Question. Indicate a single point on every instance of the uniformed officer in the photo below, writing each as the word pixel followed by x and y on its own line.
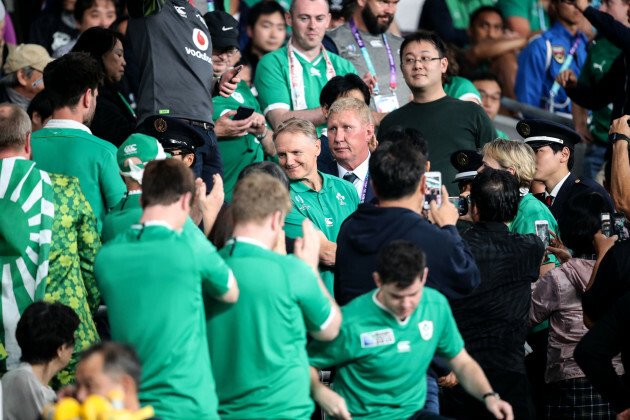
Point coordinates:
pixel 178 139
pixel 560 48
pixel 553 144
pixel 467 163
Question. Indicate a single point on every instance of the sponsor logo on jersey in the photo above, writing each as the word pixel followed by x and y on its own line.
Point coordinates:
pixel 329 221
pixel 132 148
pixel 378 338
pixel 300 201
pixel 198 54
pixel 404 347
pixel 200 39
pixel 181 10
pixel 341 199
pixel 559 53
pixel 238 97
pixel 376 43
pixel 226 29
pixel 315 72
pixel 426 330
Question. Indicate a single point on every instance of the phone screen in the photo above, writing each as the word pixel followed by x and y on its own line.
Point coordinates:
pixel 434 189
pixel 542 231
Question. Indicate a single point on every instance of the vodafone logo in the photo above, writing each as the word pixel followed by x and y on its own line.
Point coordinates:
pixel 200 40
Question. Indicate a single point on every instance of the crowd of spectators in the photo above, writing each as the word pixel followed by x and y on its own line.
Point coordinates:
pixel 249 209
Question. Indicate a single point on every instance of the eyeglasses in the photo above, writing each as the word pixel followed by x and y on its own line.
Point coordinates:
pixel 421 60
pixel 227 51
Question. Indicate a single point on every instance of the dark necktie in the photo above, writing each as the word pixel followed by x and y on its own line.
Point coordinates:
pixel 549 200
pixel 350 177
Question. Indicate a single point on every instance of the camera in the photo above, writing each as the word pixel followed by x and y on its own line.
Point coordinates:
pixel 461 203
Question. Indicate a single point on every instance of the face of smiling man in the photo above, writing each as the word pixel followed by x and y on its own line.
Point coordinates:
pixel 297 155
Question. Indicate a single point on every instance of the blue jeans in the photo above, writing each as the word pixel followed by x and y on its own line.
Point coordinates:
pixel 432 403
pixel 593 160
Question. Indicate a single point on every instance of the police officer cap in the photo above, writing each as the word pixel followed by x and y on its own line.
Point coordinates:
pixel 466 162
pixel 172 133
pixel 539 133
pixel 223 29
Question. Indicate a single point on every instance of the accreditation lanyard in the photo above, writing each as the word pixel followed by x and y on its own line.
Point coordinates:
pixel 567 63
pixel 296 76
pixel 365 184
pixel 368 60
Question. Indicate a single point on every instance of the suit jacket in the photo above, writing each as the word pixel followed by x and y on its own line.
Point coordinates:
pixel 329 166
pixel 571 187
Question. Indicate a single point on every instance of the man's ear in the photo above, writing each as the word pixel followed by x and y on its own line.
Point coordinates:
pixel 287 18
pixel 370 132
pixel 277 220
pixel 423 280
pixel 21 77
pixel 377 279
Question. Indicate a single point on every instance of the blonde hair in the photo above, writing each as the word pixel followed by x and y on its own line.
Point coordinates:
pixel 513 154
pixel 352 104
pixel 297 125
pixel 257 196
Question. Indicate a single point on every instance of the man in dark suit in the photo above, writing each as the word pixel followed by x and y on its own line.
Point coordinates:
pixel 553 144
pixel 350 129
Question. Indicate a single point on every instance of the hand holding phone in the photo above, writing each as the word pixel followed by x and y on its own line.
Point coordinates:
pixel 434 189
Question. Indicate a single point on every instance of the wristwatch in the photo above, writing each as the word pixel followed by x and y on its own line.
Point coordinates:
pixel 490 394
pixel 613 137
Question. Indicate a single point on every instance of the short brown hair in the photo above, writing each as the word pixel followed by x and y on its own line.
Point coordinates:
pixel 297 126
pixel 165 181
pixel 257 196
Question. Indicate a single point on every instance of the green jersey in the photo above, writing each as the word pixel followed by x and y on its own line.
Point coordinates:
pixel 532 10
pixel 26 220
pixel 460 11
pixel 237 152
pixel 382 361
pixel 273 79
pixel 262 371
pixel 531 209
pixel 462 88
pixel 164 275
pixel 326 208
pixel 598 61
pixel 124 214
pixel 75 152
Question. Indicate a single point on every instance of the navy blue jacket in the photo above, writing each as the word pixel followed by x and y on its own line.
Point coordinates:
pixel 452 268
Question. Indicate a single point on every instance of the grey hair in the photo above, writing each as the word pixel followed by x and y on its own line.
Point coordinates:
pixel 297 125
pixel 15 126
pixel 11 79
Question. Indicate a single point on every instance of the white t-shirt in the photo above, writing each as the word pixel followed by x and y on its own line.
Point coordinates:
pixel 24 396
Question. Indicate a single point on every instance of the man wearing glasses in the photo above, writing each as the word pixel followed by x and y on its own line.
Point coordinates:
pixel 447 123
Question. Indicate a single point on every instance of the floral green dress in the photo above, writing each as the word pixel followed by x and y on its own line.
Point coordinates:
pixel 75 242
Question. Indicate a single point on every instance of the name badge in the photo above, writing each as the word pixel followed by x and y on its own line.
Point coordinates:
pixel 386 103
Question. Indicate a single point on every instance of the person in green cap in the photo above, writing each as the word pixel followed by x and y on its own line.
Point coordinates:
pixel 26 206
pixel 324 199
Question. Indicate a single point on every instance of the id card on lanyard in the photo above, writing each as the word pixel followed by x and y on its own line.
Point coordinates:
pixel 383 102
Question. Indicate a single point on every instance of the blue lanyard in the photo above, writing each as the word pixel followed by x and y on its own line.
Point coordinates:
pixel 368 60
pixel 365 184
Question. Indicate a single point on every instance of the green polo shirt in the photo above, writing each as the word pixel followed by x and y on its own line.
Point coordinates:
pixel 262 370
pixel 237 152
pixel 462 88
pixel 74 152
pixel 528 9
pixel 164 319
pixel 381 361
pixel 326 208
pixel 273 81
pixel 531 209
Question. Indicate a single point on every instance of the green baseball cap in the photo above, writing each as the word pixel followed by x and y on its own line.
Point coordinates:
pixel 141 146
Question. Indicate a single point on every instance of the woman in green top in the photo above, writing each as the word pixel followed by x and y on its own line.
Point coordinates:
pixel 518 158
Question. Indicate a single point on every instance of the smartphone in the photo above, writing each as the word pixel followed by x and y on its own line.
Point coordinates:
pixel 619 226
pixel 606 226
pixel 243 113
pixel 542 231
pixel 238 70
pixel 461 203
pixel 434 189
